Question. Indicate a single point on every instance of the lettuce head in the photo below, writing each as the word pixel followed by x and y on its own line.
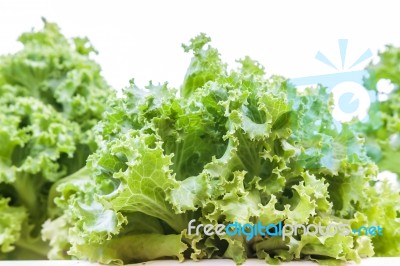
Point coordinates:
pixel 231 145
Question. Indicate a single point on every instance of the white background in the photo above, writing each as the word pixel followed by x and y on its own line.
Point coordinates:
pixel 142 39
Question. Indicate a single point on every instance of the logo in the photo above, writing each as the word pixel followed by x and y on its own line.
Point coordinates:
pixel 351 99
pixel 282 230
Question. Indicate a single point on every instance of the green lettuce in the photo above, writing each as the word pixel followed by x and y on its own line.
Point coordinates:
pixel 382 130
pixel 51 96
pixel 229 146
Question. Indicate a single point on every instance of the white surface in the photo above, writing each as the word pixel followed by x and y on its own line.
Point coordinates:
pixel 252 262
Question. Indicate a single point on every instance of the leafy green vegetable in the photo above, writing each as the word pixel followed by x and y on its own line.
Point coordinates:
pixel 51 96
pixel 231 146
pixel 12 221
pixel 383 128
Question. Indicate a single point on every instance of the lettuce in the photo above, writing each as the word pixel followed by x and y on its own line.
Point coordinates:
pixel 51 96
pixel 383 128
pixel 229 146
